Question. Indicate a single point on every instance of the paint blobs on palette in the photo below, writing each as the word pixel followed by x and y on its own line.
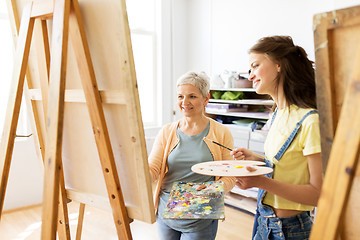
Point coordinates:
pixel 224 167
pixel 201 187
pixel 250 169
pixel 195 201
pixel 231 168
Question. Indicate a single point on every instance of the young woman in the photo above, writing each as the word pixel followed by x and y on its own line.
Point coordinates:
pixel 178 146
pixel 292 148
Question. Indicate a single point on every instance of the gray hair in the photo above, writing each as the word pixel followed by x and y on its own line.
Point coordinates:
pixel 199 80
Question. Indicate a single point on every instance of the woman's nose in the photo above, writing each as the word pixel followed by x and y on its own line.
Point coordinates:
pixel 251 76
pixel 185 100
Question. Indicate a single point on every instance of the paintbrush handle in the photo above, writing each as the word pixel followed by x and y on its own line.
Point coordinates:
pixel 218 144
pixel 222 145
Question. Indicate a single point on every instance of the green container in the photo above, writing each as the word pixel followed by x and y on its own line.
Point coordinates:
pixel 232 95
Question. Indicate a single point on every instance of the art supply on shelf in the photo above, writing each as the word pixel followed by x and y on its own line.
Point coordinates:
pixel 226 107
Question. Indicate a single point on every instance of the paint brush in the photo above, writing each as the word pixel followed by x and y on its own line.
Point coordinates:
pixel 217 143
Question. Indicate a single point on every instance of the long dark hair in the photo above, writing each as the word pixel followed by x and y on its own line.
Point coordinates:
pixel 296 70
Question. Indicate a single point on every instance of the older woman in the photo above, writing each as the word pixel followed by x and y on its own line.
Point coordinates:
pixel 178 146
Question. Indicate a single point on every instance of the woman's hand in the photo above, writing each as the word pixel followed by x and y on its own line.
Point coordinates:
pixel 242 154
pixel 249 182
pixel 245 154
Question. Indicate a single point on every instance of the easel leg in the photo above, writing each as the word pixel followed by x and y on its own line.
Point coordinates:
pixel 63 226
pixel 80 221
pixel 13 108
pixel 43 59
pixel 53 148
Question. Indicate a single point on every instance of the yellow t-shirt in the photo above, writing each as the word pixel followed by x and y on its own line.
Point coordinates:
pixel 293 166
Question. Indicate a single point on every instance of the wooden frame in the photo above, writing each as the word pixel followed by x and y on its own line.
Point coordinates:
pixel 337 53
pixel 78 111
pixel 336 37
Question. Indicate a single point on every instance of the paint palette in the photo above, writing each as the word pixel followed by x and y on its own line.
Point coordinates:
pixel 204 200
pixel 232 168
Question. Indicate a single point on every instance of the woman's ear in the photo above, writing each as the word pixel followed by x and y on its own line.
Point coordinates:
pixel 278 68
pixel 207 99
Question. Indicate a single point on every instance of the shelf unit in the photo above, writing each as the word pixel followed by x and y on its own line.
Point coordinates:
pixel 245 101
pixel 254 115
pixel 244 137
pixel 253 99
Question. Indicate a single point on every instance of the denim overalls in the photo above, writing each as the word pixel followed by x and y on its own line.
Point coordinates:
pixel 270 226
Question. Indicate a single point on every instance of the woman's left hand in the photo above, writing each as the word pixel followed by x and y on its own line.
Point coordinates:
pixel 249 182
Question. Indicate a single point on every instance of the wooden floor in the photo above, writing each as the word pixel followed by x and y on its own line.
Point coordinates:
pixel 98 224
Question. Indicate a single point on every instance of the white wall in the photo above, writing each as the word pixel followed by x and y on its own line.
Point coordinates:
pixel 25 182
pixel 6 59
pixel 219 33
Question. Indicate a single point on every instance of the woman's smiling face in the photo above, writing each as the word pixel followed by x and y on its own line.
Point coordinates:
pixel 263 73
pixel 190 100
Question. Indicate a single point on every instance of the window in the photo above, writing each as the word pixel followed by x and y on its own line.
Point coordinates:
pixel 142 21
pixel 5 61
pixel 7 51
pixel 6 66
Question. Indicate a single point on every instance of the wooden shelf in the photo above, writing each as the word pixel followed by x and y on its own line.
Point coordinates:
pixel 234 89
pixel 255 115
pixel 245 101
pixel 252 99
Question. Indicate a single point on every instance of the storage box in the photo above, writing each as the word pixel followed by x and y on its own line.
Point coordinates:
pixel 242 83
pixel 240 134
pixel 226 107
pixel 239 131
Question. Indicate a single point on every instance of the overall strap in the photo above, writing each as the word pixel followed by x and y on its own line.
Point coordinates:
pixel 292 136
pixel 273 117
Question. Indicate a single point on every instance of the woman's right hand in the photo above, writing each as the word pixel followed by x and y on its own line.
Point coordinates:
pixel 242 154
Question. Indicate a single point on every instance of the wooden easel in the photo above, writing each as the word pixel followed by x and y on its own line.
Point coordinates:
pixel 63 13
pixel 343 164
pixel 337 51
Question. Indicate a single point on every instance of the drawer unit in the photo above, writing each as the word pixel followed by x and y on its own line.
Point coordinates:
pixel 238 131
pixel 240 143
pixel 256 146
pixel 258 135
pixel 240 134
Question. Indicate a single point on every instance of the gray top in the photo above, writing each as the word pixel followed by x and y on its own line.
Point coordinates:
pixel 190 150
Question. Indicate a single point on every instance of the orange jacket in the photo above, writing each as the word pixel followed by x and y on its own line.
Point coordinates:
pixel 166 141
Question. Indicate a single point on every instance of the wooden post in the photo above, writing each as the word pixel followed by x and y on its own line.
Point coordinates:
pixel 80 221
pixel 53 144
